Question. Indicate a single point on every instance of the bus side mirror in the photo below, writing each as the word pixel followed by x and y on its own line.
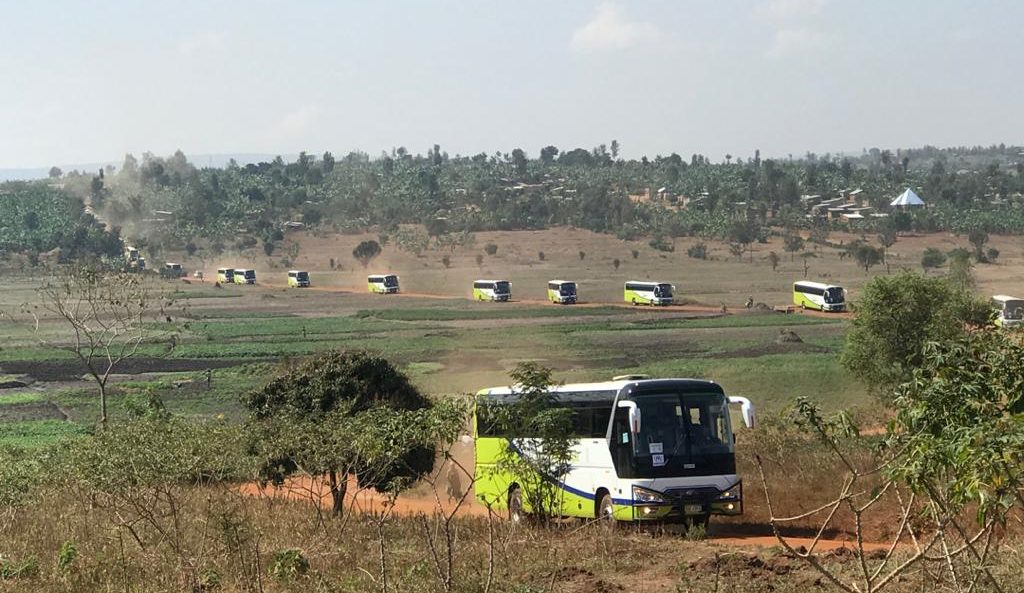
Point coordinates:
pixel 634 415
pixel 746 410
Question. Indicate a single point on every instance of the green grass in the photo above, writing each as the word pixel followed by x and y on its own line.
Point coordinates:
pixel 203 293
pixel 497 311
pixel 22 397
pixel 38 433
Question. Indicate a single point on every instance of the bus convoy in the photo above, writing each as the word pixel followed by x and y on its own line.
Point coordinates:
pixel 643 450
pixel 818 296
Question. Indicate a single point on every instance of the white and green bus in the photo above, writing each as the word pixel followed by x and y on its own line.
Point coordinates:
pixel 492 290
pixel 649 293
pixel 815 295
pixel 562 292
pixel 645 450
pixel 1009 310
pixel 382 283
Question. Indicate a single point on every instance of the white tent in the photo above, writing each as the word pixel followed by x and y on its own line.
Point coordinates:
pixel 908 198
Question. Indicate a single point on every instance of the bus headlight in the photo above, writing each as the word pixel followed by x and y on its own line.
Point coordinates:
pixel 733 493
pixel 645 496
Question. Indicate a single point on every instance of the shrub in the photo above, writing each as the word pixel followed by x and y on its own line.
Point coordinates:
pixel 540 255
pixel 698 251
pixel 9 569
pixel 447 261
pixel 616 263
pixel 636 253
pixel 66 556
pixel 932 258
pixel 659 243
pixel 991 255
pixel 289 564
pixel 582 254
pixel 491 249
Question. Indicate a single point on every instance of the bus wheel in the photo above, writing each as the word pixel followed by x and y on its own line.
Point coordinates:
pixel 634 302
pixel 516 512
pixel 605 510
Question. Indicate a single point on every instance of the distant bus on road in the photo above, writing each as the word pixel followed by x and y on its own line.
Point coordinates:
pixel 492 290
pixel 226 275
pixel 649 293
pixel 298 279
pixel 562 292
pixel 382 283
pixel 245 276
pixel 1009 310
pixel 822 297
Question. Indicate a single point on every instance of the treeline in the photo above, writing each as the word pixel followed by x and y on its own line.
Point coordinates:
pixel 36 219
pixel 174 203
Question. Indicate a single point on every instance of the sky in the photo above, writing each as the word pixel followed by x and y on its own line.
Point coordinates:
pixel 91 81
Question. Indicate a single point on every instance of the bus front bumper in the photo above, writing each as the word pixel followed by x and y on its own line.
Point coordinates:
pixel 679 505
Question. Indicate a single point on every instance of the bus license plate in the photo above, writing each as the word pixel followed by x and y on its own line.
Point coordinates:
pixel 693 509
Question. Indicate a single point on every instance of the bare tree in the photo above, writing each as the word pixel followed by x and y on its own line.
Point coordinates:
pixel 109 315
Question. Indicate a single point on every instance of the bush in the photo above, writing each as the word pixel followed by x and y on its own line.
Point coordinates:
pixel 447 261
pixel 636 253
pixel 289 564
pixel 540 255
pixel 616 263
pixel 66 556
pixel 991 255
pixel 698 251
pixel 491 249
pixel 582 254
pixel 932 258
pixel 659 243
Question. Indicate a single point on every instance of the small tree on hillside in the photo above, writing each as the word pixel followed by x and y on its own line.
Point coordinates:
pixel 366 251
pixel 792 244
pixel 866 255
pixel 978 238
pixel 347 413
pixel 582 254
pixel 773 259
pixel 806 257
pixel 110 317
pixel 961 271
pixel 932 258
pixel 491 249
pixel 616 263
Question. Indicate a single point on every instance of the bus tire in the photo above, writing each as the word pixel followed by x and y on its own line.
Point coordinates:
pixel 516 512
pixel 634 302
pixel 604 510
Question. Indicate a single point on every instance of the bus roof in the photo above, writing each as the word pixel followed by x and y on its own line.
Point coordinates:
pixel 816 284
pixel 603 386
pixel 491 281
pixel 651 282
pixel 296 271
pixel 1005 298
pixel 380 276
pixel 224 269
pixel 561 282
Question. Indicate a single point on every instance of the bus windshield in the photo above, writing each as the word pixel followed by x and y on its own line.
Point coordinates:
pixel 501 287
pixel 680 434
pixel 663 290
pixel 833 295
pixel 390 281
pixel 568 289
pixel 303 276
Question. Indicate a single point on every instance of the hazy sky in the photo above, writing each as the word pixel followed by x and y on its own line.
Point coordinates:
pixel 89 81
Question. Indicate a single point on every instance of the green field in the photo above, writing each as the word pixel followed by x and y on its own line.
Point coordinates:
pixel 445 345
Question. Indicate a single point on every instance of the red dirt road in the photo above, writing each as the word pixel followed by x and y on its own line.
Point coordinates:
pixel 423 502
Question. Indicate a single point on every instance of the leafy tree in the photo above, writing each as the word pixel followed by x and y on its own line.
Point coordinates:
pixel 347 413
pixel 366 251
pixel 867 256
pixel 792 243
pixel 548 154
pixel 698 250
pixel 978 238
pixel 519 161
pixel 446 260
pixel 616 263
pixel 961 271
pixel 55 172
pixel 896 317
pixel 742 233
pixel 932 258
pixel 806 257
pixel 635 253
pixel 491 249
